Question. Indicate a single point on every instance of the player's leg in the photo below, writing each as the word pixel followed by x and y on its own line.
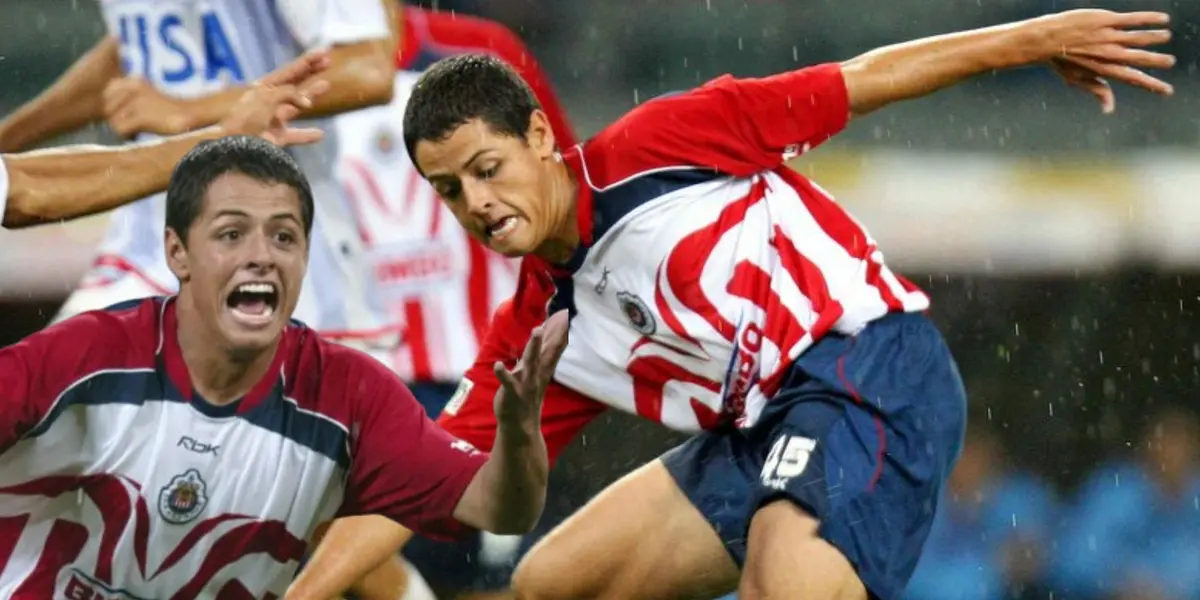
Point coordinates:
pixel 639 539
pixel 854 450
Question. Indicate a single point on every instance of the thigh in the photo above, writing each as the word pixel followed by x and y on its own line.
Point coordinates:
pixel 788 559
pixel 640 539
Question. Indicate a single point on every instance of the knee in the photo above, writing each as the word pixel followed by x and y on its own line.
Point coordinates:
pixel 535 579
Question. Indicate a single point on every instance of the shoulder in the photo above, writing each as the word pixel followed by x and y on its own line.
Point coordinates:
pixel 335 380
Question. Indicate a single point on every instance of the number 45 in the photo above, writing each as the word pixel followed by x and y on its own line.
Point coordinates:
pixel 788 457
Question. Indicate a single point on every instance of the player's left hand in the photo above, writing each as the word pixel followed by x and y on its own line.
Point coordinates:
pixel 268 107
pixel 519 401
pixel 133 106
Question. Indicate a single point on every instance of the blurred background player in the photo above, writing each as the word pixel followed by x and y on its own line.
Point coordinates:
pixel 71 182
pixel 169 66
pixel 439 285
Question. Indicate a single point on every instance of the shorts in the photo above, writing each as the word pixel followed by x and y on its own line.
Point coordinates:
pixel 862 435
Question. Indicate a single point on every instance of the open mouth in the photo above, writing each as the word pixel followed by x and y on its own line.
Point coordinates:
pixel 254 303
pixel 502 227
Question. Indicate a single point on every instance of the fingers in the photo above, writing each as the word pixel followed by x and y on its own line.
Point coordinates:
pixel 533 351
pixel 1120 72
pixel 556 330
pixel 298 70
pixel 1101 90
pixel 1140 38
pixel 299 137
pixel 1115 53
pixel 118 93
pixel 507 380
pixel 1146 18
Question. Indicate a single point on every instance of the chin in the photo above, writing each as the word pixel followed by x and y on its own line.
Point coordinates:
pixel 251 342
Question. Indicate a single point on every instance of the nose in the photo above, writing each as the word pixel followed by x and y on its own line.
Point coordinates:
pixel 259 254
pixel 479 197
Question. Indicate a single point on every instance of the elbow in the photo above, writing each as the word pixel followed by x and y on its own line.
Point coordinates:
pixel 369 71
pixel 516 524
pixel 24 203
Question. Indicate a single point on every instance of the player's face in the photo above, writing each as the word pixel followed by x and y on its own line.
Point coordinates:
pixel 244 260
pixel 498 186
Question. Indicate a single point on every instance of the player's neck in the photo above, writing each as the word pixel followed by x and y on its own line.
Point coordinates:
pixel 564 193
pixel 219 374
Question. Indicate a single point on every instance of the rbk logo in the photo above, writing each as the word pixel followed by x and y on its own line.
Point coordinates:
pixel 192 445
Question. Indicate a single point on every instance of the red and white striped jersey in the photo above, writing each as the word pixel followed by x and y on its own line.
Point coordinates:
pixel 707 265
pixel 440 285
pixel 118 481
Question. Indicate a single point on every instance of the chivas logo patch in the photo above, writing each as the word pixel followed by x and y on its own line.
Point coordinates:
pixel 637 312
pixel 184 498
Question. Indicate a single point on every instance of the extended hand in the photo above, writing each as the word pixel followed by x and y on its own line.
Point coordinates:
pixel 1090 47
pixel 273 101
pixel 519 400
pixel 133 106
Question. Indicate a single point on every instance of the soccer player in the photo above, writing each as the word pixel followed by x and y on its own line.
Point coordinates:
pixel 170 66
pixel 441 284
pixel 714 290
pixel 76 181
pixel 187 446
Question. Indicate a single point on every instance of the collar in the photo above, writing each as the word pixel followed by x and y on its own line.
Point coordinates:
pixel 171 362
pixel 584 212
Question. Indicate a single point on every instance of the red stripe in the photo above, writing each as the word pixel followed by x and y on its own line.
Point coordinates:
pixel 10 534
pixel 479 293
pixel 843 229
pixel 270 537
pixel 754 284
pixel 685 264
pixel 879 453
pixel 650 376
pixel 120 263
pixel 414 337
pixel 112 500
pixel 359 222
pixel 63 545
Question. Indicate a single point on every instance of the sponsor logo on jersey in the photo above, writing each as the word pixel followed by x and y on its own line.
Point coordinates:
pixel 184 498
pixel 637 312
pixel 459 398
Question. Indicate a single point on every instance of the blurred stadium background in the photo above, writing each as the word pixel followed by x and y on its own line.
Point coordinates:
pixel 1061 247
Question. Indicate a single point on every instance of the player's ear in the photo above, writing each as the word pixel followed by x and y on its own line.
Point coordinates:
pixel 540 135
pixel 177 255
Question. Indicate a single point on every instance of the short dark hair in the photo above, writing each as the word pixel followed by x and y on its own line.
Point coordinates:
pixel 462 88
pixel 250 156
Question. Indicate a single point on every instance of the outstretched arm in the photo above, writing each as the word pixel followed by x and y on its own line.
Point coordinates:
pixel 71 102
pixel 76 181
pixel 361 43
pixel 1084 46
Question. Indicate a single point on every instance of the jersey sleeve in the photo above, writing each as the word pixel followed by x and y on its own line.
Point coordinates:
pixel 404 466
pixel 456 30
pixel 470 412
pixel 37 370
pixel 735 126
pixel 3 190
pixel 323 23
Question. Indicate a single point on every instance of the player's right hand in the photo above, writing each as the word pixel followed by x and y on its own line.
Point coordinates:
pixel 1090 47
pixel 519 401
pixel 267 109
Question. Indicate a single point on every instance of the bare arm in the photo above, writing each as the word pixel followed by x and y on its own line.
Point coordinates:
pixel 508 493
pixel 360 74
pixel 1095 41
pixel 356 554
pixel 71 102
pixel 77 181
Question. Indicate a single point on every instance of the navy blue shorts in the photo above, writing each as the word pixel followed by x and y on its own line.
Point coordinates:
pixel 862 435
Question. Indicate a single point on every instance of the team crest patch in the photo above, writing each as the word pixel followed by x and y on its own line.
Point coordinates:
pixel 637 312
pixel 385 143
pixel 184 498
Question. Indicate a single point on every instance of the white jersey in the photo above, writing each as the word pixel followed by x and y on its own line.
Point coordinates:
pixel 117 481
pixel 708 268
pixel 439 285
pixel 191 48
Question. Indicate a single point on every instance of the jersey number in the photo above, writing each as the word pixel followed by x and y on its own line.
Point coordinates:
pixel 161 49
pixel 787 459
